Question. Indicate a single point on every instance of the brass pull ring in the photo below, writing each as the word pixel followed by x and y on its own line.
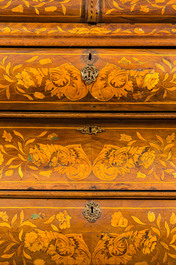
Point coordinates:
pixel 89 73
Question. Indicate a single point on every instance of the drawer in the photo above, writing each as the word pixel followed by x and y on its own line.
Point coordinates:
pixel 94 79
pixel 87 152
pixel 92 11
pixel 59 231
pixel 142 11
pixel 42 11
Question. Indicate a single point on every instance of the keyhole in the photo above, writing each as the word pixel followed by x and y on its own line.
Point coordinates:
pixel 90 129
pixel 90 56
pixel 92 210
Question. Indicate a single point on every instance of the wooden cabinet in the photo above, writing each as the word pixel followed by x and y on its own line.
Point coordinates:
pixel 87 132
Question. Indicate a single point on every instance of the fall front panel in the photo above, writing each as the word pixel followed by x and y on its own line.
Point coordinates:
pixel 44 232
pixel 87 154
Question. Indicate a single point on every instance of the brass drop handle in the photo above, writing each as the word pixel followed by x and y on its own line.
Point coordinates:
pixel 92 211
pixel 91 130
pixel 89 73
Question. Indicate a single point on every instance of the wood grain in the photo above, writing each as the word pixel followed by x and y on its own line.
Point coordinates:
pixel 44 231
pixel 139 10
pixel 79 34
pixel 43 79
pixel 51 154
pixel 42 11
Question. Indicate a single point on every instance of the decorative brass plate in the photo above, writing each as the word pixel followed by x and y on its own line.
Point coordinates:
pixel 89 73
pixel 92 211
pixel 91 130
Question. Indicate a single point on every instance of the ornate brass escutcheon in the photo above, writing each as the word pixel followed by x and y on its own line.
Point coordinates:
pixel 91 130
pixel 89 73
pixel 92 211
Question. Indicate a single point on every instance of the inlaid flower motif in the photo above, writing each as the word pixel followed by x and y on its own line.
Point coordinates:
pixel 63 219
pixel 149 244
pixel 40 154
pixel 24 79
pixel 151 216
pixel 118 220
pixel 124 137
pixel 52 136
pixel 4 216
pixel 7 136
pixel 151 80
pixel 148 158
pixel 36 240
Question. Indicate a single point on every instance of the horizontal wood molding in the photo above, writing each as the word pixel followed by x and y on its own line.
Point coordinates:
pixel 146 195
pixel 77 34
pixel 89 115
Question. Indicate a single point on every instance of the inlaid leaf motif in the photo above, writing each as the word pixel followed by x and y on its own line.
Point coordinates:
pixel 139 7
pixel 49 6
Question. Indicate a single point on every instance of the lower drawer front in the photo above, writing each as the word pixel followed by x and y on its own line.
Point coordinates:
pixel 55 231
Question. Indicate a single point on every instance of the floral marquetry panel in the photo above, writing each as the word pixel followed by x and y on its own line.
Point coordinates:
pixel 71 154
pixel 42 10
pixel 51 79
pixel 45 232
pixel 138 10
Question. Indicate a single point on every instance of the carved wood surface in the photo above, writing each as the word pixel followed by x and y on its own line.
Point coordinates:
pixel 44 231
pixel 53 154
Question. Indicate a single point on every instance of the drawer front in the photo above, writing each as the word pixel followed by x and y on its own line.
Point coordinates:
pixel 56 232
pixel 142 11
pixel 52 79
pixel 88 154
pixel 42 11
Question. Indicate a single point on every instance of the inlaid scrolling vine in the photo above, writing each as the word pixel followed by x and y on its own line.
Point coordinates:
pixel 29 240
pixel 123 82
pixel 153 239
pixel 142 7
pixel 43 6
pixel 38 238
pixel 42 156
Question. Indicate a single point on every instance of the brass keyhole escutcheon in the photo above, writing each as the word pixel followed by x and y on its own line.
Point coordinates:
pixel 91 130
pixel 92 211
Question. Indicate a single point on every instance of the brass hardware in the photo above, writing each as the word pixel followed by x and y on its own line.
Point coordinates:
pixel 89 73
pixel 92 211
pixel 91 130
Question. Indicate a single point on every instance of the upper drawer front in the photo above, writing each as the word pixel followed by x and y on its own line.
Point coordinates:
pixel 88 10
pixel 51 79
pixel 42 10
pixel 138 10
pixel 55 232
pixel 88 154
